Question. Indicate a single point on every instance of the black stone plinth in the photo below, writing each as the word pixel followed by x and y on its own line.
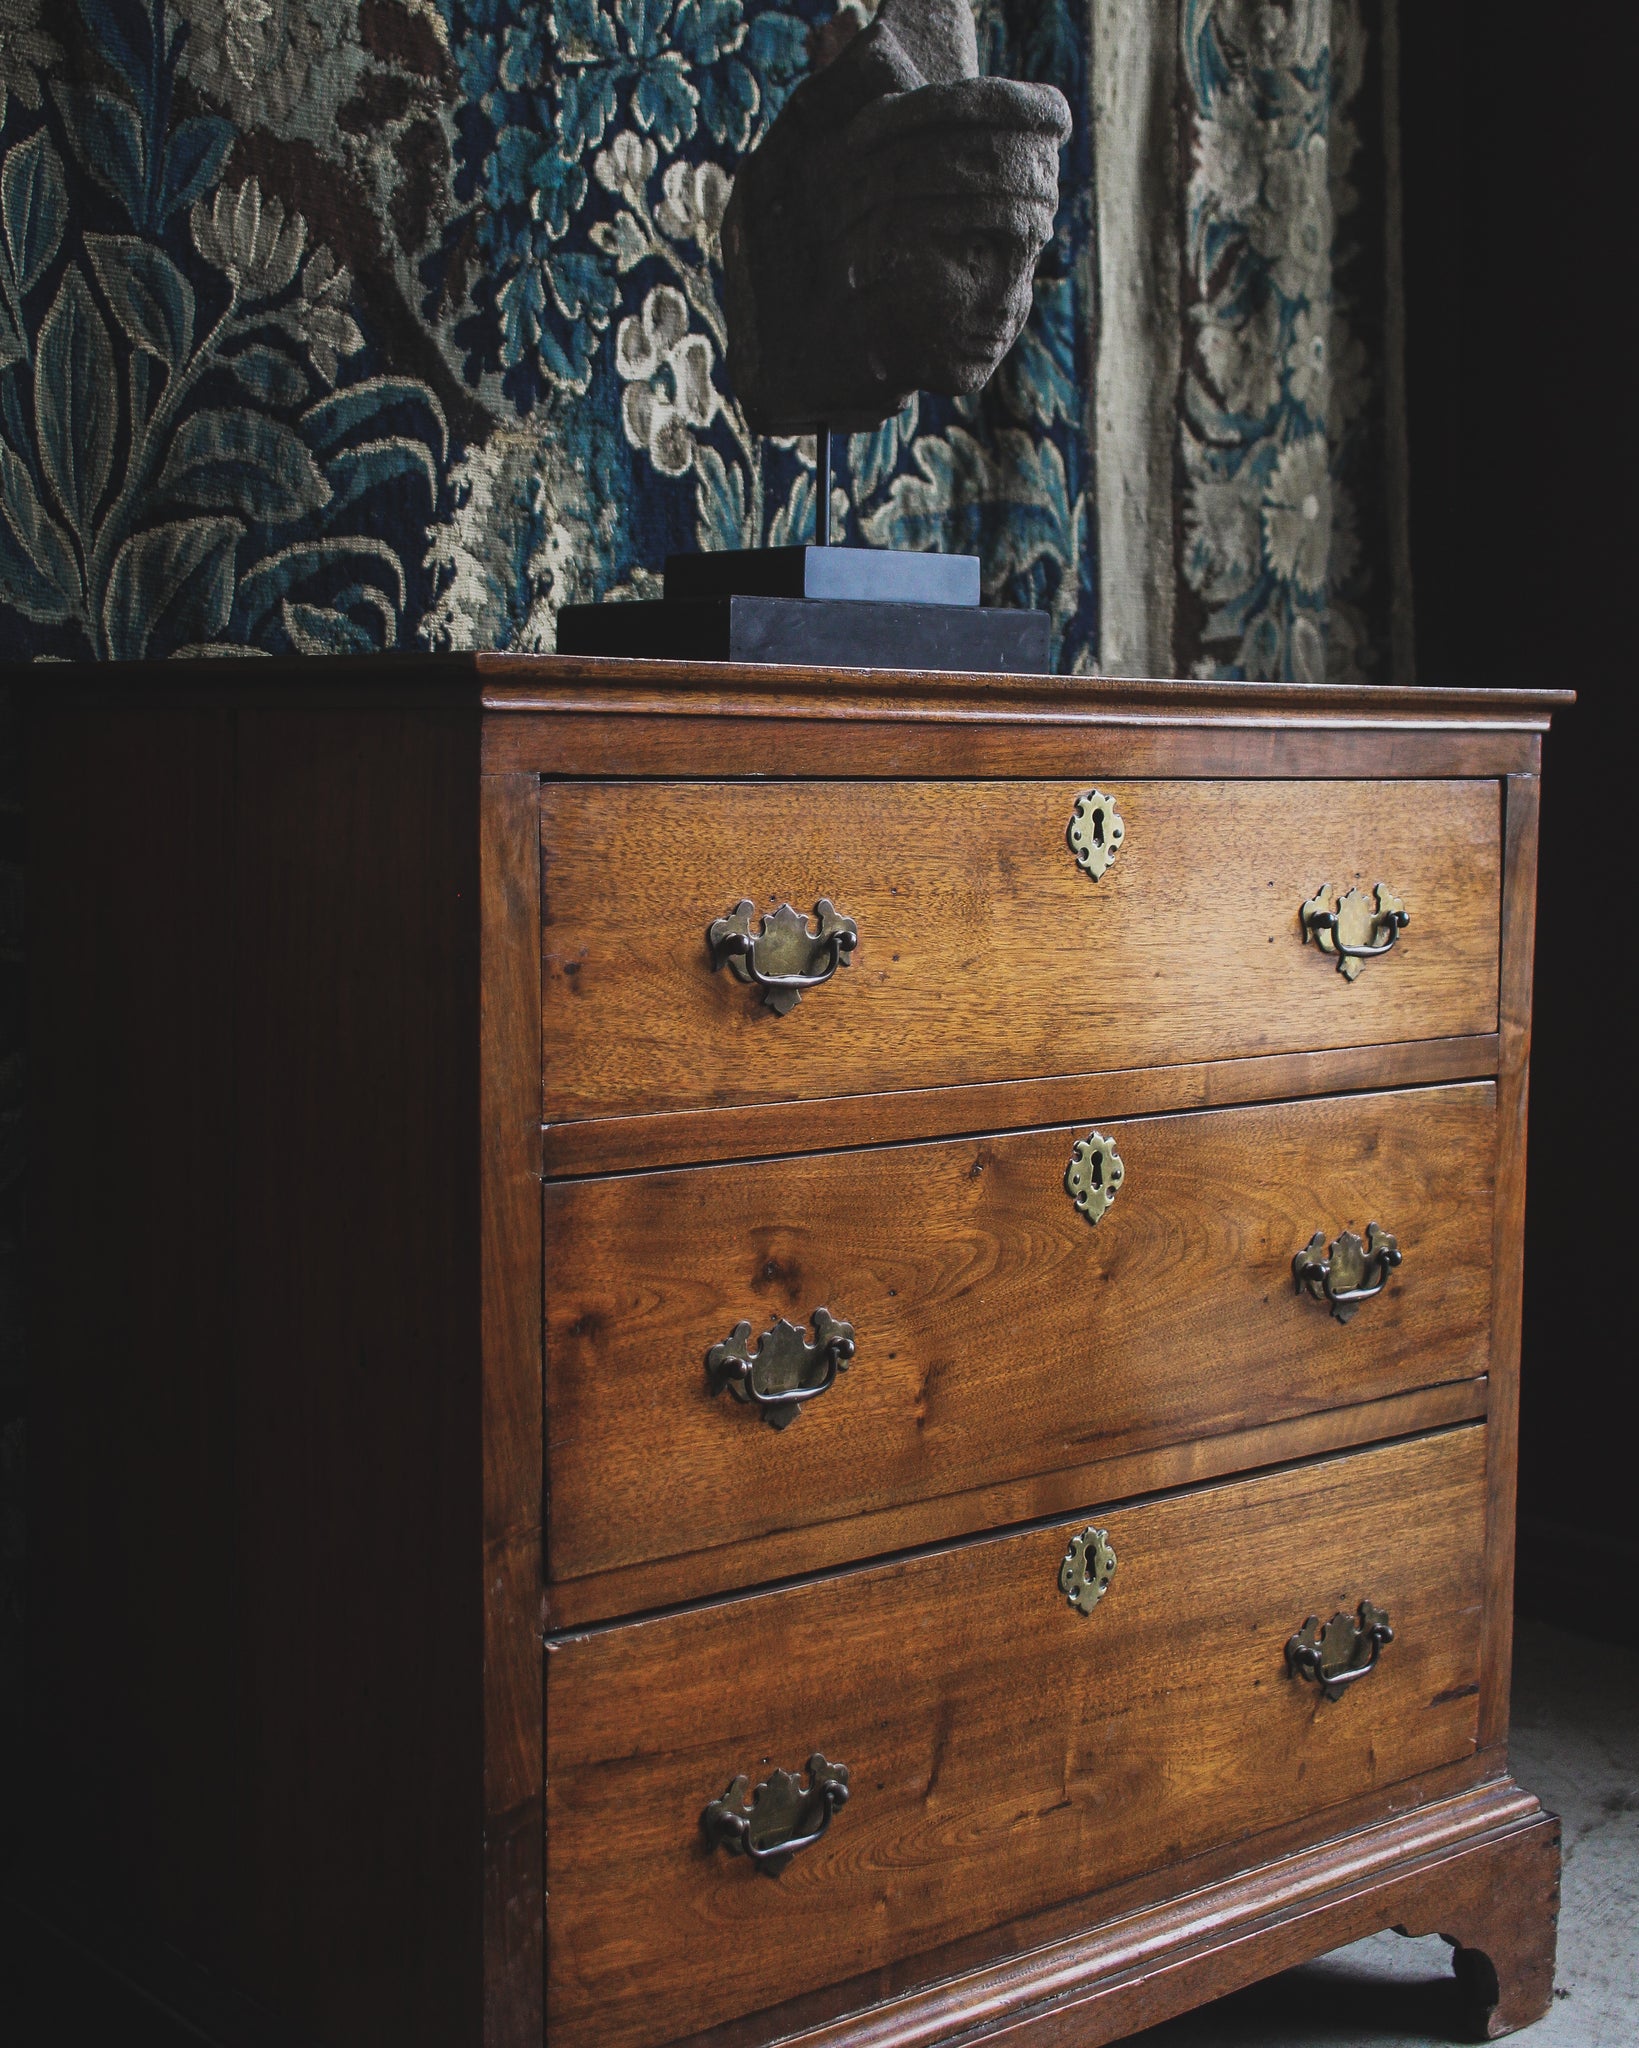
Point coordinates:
pixel 801 634
pixel 827 576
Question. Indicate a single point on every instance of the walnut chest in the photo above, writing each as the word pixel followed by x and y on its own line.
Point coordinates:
pixel 735 1356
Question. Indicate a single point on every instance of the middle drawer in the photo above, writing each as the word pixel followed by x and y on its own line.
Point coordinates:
pixel 997 1333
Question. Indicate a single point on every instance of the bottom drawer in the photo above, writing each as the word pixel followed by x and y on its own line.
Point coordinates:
pixel 1006 1751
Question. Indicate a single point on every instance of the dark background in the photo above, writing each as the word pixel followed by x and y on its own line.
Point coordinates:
pixel 1518 243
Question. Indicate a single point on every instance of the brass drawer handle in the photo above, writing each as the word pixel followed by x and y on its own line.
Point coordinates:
pixel 1350 1273
pixel 1340 1654
pixel 784 1816
pixel 785 1370
pixel 1355 927
pixel 783 957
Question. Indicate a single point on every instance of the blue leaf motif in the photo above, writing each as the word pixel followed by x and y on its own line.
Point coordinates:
pixel 124 33
pixel 275 577
pixel 776 48
pixel 327 424
pixel 586 106
pixel 729 100
pixel 193 161
pixel 108 142
pixel 708 29
pixel 38 573
pixel 317 629
pixel 584 31
pixel 171 584
pixel 665 102
pixel 361 469
pixel 239 461
pixel 645 24
pixel 76 409
pixel 148 295
pixel 269 375
pixel 34 203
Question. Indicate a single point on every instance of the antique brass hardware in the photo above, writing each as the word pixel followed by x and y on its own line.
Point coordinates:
pixel 1095 1175
pixel 1096 832
pixel 1340 1654
pixel 785 1370
pixel 1350 1273
pixel 1356 927
pixel 1088 1567
pixel 783 957
pixel 783 1818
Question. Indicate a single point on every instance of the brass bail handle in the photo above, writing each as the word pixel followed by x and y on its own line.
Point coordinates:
pixel 785 1371
pixel 784 1817
pixel 1350 1273
pixel 781 956
pixel 1354 928
pixel 1342 1653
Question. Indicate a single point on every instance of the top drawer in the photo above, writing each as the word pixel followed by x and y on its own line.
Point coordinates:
pixel 985 951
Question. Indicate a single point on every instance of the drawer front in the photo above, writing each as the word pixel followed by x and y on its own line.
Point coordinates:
pixel 984 952
pixel 998 1334
pixel 1006 1751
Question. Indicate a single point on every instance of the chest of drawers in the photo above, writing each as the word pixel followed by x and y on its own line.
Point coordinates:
pixel 733 1357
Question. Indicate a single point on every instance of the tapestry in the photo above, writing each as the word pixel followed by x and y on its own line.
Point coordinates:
pixel 333 326
pixel 345 326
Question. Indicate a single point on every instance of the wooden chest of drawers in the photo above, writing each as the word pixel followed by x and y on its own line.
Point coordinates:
pixel 948 1250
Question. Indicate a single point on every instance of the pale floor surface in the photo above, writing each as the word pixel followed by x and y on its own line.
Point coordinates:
pixel 1576 1745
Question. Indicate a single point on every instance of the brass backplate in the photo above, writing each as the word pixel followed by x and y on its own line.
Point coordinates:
pixel 1088 1567
pixel 1095 1175
pixel 1096 832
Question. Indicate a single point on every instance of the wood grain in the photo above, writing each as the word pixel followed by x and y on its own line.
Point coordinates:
pixel 1006 1751
pixel 767 1130
pixel 985 953
pixel 1522 815
pixel 509 1113
pixel 1441 1853
pixel 785 1554
pixel 1000 1335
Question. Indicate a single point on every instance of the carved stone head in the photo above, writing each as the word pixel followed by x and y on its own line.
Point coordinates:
pixel 883 237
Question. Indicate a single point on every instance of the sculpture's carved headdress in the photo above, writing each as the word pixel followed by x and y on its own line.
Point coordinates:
pixel 882 238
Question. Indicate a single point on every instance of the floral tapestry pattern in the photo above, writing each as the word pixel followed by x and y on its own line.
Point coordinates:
pixel 345 325
pixel 1277 424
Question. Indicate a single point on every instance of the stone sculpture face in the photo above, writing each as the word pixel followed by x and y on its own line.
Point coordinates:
pixel 883 237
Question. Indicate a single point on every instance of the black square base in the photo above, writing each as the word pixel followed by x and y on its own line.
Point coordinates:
pixel 798 633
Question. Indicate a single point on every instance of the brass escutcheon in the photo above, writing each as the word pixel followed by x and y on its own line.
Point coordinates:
pixel 1340 1654
pixel 1095 1175
pixel 1096 832
pixel 1355 928
pixel 1088 1567
pixel 784 1816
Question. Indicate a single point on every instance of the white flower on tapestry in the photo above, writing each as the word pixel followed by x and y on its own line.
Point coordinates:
pixel 1292 35
pixel 1297 515
pixel 1291 228
pixel 1242 358
pixel 321 316
pixel 251 238
pixel 1308 374
pixel 669 395
pixel 697 197
pixel 626 167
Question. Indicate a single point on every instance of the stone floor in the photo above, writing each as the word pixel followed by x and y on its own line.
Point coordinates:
pixel 1576 1744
